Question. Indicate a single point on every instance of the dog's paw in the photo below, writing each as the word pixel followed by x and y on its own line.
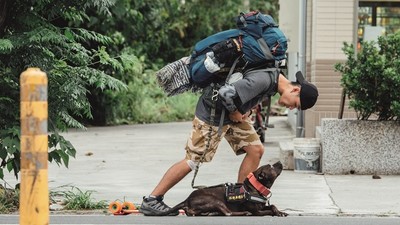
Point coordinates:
pixel 283 214
pixel 278 213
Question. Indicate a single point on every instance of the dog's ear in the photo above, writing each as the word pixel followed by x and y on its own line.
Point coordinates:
pixel 260 170
pixel 278 165
pixel 263 172
pixel 266 178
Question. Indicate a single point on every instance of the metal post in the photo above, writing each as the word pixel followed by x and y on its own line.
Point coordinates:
pixel 300 132
pixel 34 190
pixel 342 102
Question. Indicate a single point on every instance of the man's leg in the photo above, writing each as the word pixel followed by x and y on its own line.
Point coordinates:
pixel 154 205
pixel 173 175
pixel 243 138
pixel 195 147
pixel 251 161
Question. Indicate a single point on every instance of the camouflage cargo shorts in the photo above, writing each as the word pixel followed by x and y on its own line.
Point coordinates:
pixel 238 135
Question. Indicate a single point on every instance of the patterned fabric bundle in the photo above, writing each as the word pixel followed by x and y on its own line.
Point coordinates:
pixel 174 77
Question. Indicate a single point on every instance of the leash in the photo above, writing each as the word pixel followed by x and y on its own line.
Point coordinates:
pixel 214 99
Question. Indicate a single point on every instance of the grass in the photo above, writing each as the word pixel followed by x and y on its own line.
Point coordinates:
pixel 72 198
pixel 9 200
pixel 77 199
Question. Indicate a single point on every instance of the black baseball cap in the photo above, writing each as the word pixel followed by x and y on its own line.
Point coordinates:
pixel 308 92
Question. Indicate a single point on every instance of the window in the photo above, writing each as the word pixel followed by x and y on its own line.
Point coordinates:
pixel 377 18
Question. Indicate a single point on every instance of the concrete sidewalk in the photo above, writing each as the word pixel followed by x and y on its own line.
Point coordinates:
pixel 126 162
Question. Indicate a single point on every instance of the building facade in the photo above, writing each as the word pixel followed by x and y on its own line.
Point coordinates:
pixel 330 23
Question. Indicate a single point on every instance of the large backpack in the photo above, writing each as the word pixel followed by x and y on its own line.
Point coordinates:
pixel 261 37
pixel 263 44
pixel 271 42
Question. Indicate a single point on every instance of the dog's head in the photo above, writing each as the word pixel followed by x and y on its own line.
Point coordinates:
pixel 267 174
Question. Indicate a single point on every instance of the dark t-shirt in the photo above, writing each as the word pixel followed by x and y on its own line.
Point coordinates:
pixel 255 86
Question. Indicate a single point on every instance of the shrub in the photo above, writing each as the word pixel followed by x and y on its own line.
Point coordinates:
pixel 371 78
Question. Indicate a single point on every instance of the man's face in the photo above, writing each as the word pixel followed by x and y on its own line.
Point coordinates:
pixel 290 98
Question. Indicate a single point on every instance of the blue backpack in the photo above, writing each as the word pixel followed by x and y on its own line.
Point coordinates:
pixel 263 43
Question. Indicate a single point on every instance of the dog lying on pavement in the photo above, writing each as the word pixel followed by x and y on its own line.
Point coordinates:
pixel 248 199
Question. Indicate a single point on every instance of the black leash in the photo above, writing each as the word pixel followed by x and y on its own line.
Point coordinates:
pixel 214 99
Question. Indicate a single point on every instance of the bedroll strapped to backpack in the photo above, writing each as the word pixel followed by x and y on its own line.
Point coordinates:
pixel 262 44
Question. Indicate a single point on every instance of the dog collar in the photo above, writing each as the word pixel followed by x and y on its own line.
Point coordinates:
pixel 258 186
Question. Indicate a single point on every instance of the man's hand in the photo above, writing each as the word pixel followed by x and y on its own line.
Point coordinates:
pixel 246 115
pixel 237 117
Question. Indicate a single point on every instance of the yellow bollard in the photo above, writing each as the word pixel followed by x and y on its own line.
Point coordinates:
pixel 34 193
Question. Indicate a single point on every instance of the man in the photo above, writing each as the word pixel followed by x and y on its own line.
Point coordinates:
pixel 235 99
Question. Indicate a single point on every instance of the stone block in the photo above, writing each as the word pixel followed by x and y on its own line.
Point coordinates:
pixel 360 147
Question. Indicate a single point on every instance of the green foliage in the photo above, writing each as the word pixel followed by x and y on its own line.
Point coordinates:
pixel 61 149
pixel 145 102
pixel 158 32
pixel 371 78
pixel 10 150
pixel 138 28
pixel 41 34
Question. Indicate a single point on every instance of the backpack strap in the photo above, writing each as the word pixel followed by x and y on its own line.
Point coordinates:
pixel 205 44
pixel 222 118
pixel 265 49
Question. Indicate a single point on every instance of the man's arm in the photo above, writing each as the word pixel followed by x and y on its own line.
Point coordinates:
pixel 243 92
pixel 242 95
pixel 229 97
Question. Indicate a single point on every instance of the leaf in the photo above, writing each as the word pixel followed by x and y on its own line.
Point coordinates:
pixel 67 147
pixel 3 153
pixel 53 155
pixel 6 45
pixel 68 34
pixel 64 157
pixel 10 165
pixel 70 149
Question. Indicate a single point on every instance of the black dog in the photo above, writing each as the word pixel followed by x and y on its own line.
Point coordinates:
pixel 247 199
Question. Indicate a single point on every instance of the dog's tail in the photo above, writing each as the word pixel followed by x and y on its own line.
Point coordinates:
pixel 174 209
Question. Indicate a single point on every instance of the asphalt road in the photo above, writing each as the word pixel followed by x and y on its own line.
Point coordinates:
pixel 132 219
